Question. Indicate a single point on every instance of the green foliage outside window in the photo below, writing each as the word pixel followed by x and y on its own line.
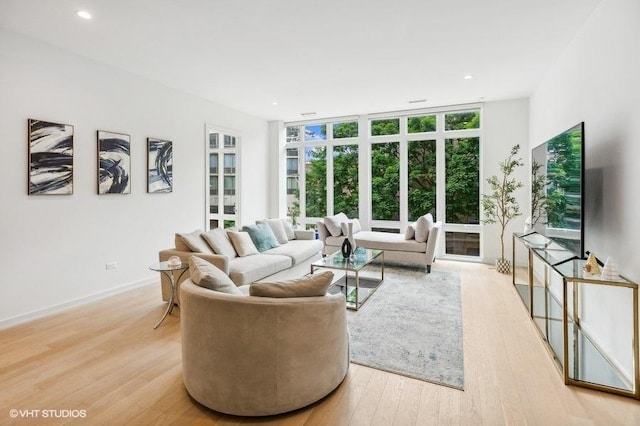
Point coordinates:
pixel 385 181
pixel 421 124
pixel 462 120
pixel 316 181
pixel 563 181
pixel 345 180
pixel 385 127
pixel 345 130
pixel 422 179
pixel 462 157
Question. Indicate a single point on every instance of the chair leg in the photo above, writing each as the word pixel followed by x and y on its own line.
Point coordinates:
pixel 428 269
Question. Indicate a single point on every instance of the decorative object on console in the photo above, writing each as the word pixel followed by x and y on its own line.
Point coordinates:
pixel 50 158
pixel 174 261
pixel 610 270
pixel 350 237
pixel 592 267
pixel 346 248
pixel 500 206
pixel 114 163
pixel 159 165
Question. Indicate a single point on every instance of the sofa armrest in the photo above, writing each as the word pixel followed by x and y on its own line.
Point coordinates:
pixel 304 234
pixel 432 241
pixel 323 232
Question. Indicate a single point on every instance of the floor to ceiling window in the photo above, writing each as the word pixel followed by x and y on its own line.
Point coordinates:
pixel 396 166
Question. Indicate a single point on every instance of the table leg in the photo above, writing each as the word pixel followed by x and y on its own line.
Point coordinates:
pixel 173 297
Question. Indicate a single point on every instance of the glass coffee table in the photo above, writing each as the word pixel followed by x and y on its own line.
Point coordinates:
pixel 356 289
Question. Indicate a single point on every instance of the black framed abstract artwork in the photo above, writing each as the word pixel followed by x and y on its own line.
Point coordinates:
pixel 159 165
pixel 114 163
pixel 50 158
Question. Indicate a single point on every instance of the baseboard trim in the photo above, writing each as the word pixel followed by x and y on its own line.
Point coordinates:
pixel 41 313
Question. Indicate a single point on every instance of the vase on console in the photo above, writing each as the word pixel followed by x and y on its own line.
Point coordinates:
pixel 346 248
pixel 352 241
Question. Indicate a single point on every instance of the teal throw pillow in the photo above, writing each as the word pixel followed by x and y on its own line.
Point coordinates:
pixel 262 236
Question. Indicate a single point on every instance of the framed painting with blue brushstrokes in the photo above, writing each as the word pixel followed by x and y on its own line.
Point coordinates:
pixel 114 163
pixel 159 165
pixel 50 158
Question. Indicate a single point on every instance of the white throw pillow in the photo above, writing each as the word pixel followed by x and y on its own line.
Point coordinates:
pixel 288 228
pixel 208 276
pixel 307 286
pixel 410 233
pixel 423 226
pixel 333 223
pixel 242 243
pixel 219 241
pixel 277 227
pixel 193 241
pixel 344 226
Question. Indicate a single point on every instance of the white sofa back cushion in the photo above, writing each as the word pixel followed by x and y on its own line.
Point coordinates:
pixel 334 223
pixel 344 226
pixel 208 276
pixel 243 243
pixel 219 241
pixel 193 241
pixel 277 227
pixel 423 226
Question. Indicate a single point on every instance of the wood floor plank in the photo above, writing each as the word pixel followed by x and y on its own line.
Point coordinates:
pixel 106 358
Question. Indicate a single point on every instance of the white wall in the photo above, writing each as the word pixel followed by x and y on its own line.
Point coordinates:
pixel 596 81
pixel 54 248
pixel 505 124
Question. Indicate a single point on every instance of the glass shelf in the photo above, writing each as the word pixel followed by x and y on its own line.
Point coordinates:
pixel 565 303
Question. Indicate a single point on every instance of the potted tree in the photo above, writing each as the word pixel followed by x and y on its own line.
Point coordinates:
pixel 501 206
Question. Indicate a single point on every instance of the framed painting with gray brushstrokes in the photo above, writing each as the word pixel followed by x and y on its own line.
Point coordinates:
pixel 114 163
pixel 159 165
pixel 50 158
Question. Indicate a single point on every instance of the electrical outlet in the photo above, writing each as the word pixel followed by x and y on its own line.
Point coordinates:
pixel 111 265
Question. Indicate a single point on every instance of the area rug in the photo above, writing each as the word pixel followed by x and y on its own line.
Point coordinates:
pixel 412 325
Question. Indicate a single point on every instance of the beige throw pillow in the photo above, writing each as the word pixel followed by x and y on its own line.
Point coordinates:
pixel 242 243
pixel 208 276
pixel 277 227
pixel 193 242
pixel 219 241
pixel 410 233
pixel 423 226
pixel 307 286
pixel 333 223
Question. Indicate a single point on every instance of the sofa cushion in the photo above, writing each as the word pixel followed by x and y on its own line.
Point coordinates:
pixel 333 223
pixel 297 250
pixel 208 276
pixel 262 236
pixel 388 241
pixel 193 241
pixel 307 286
pixel 410 233
pixel 277 227
pixel 242 243
pixel 218 240
pixel 356 227
pixel 288 228
pixel 423 226
pixel 245 270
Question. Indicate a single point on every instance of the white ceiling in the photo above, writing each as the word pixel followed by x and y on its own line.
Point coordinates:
pixel 332 57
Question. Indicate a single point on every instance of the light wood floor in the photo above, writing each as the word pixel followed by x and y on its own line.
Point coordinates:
pixel 105 358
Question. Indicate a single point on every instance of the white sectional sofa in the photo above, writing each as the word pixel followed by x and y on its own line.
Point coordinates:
pixel 295 247
pixel 416 247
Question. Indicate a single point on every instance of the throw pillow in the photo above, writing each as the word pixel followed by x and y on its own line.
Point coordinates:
pixel 344 226
pixel 262 236
pixel 410 233
pixel 333 223
pixel 307 286
pixel 277 227
pixel 423 226
pixel 219 241
pixel 193 242
pixel 242 243
pixel 208 276
pixel 288 228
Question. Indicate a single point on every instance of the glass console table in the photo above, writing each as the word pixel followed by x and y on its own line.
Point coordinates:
pixel 589 325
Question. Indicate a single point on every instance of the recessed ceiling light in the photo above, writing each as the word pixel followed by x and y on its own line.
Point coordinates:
pixel 468 77
pixel 83 14
pixel 274 103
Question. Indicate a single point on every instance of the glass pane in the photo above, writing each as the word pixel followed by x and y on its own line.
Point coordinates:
pixel 213 194
pixel 293 134
pixel 229 223
pixel 316 181
pixel 229 141
pixel 213 140
pixel 462 171
pixel 345 130
pixel 421 181
pixel 213 164
pixel 293 192
pixel 315 132
pixel 462 120
pixel 426 123
pixel 229 163
pixel 385 127
pixel 385 181
pixel 462 243
pixel 345 180
pixel 229 195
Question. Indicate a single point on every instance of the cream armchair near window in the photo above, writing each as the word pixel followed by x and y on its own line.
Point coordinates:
pixel 257 356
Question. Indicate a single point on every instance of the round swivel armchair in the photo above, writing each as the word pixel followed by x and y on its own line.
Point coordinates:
pixel 257 356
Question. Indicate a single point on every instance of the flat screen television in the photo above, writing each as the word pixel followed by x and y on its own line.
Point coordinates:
pixel 557 189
